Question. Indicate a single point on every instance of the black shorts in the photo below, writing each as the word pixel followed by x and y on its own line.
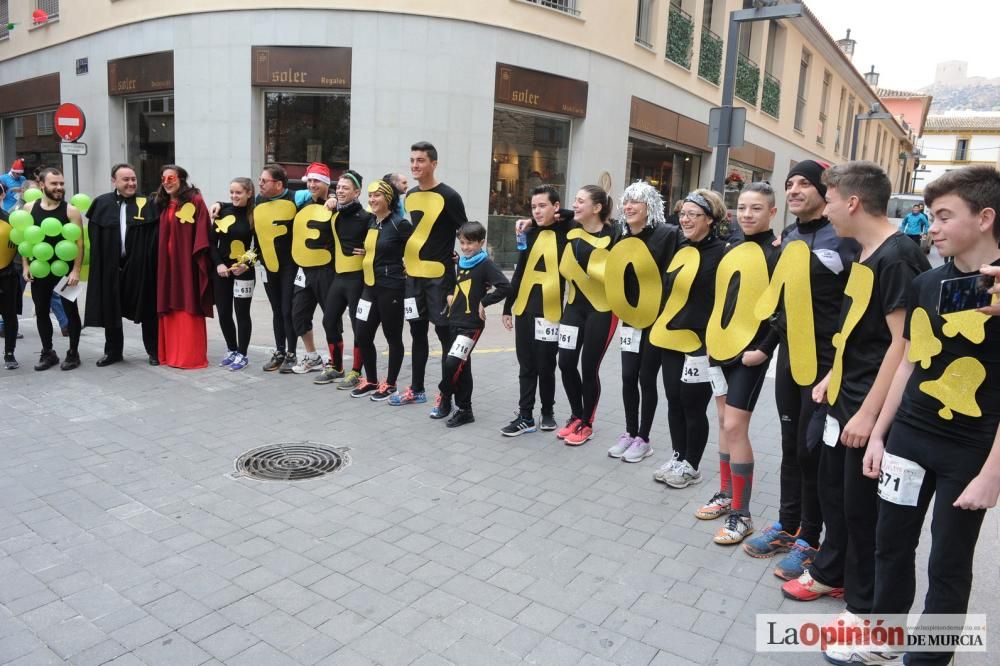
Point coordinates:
pixel 430 296
pixel 745 383
pixel 305 299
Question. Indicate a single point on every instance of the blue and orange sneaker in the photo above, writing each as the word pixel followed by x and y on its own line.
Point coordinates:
pixel 770 542
pixel 408 397
pixel 799 556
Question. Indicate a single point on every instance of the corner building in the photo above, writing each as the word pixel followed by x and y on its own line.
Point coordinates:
pixel 513 93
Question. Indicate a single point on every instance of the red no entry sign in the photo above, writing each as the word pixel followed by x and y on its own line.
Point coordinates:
pixel 70 122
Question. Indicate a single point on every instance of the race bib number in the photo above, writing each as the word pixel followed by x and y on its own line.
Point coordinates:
pixel 242 288
pixel 831 431
pixel 364 307
pixel 720 386
pixel 695 370
pixel 567 336
pixel 410 310
pixel 899 480
pixel 261 273
pixel 546 331
pixel 461 347
pixel 300 278
pixel 630 339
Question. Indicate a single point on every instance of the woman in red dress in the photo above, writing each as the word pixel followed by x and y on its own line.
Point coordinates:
pixel 183 287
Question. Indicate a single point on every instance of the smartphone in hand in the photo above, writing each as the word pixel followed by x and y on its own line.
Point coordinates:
pixel 965 293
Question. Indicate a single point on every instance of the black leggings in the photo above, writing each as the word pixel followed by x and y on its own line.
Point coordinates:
pixel 343 295
pixel 386 310
pixel 41 296
pixel 421 350
pixel 537 367
pixel 10 288
pixel 457 379
pixel 639 390
pixel 798 504
pixel 583 383
pixel 687 409
pixel 226 304
pixel 279 288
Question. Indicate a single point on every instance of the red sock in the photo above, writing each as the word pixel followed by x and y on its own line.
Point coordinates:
pixel 358 360
pixel 725 475
pixel 742 485
pixel 337 355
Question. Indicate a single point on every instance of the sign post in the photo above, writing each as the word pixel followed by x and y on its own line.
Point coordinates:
pixel 70 123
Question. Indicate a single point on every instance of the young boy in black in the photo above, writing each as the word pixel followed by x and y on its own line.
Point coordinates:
pixel 478 284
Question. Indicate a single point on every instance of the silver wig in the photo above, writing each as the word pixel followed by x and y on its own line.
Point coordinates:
pixel 643 192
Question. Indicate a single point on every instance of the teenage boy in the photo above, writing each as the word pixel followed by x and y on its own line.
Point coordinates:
pixel 869 348
pixel 437 213
pixel 478 284
pixel 937 434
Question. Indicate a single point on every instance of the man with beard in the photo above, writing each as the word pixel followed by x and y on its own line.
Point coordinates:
pixel 123 240
pixel 53 204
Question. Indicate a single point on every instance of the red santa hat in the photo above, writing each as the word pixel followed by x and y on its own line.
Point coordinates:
pixel 17 166
pixel 318 171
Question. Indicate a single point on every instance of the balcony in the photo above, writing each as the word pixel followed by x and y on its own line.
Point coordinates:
pixel 747 80
pixel 770 96
pixel 565 6
pixel 710 58
pixel 680 37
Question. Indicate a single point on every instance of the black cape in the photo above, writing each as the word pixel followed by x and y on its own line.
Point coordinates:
pixel 122 286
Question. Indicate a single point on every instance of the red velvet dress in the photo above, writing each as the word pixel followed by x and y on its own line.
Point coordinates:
pixel 183 288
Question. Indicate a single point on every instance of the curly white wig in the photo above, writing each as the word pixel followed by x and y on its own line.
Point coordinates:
pixel 643 192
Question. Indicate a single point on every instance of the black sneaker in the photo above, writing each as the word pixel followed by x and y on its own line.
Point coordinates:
pixel 364 388
pixel 277 358
pixel 72 360
pixel 10 362
pixel 383 392
pixel 460 418
pixel 47 359
pixel 287 365
pixel 548 422
pixel 518 426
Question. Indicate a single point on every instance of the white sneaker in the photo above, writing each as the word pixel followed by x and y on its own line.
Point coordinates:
pixel 661 474
pixel 621 446
pixel 735 529
pixel 682 475
pixel 638 450
pixel 308 363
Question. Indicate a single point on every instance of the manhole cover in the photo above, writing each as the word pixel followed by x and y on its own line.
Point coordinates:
pixel 291 461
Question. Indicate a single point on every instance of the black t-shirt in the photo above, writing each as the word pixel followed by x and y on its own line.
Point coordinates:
pixel 11 248
pixel 349 229
pixel 956 398
pixel 283 243
pixel 318 230
pixel 60 212
pixel 483 283
pixel 580 245
pixel 386 255
pixel 698 308
pixel 436 214
pixel 230 236
pixel 534 303
pixel 662 241
pixel 894 265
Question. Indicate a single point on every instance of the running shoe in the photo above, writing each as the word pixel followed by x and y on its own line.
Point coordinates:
pixel 9 362
pixel 47 359
pixel 716 507
pixel 582 433
pixel 288 365
pixel 460 418
pixel 239 362
pixel 228 358
pixel 770 542
pixel 799 556
pixel 442 407
pixel 364 388
pixel 682 475
pixel 277 359
pixel 667 467
pixel 570 427
pixel 385 390
pixel 518 426
pixel 736 528
pixel 637 451
pixel 621 446
pixel 408 397
pixel 548 422
pixel 807 588
pixel 311 362
pixel 329 375
pixel 351 380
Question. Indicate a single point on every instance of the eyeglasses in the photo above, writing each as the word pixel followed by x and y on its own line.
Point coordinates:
pixel 262 181
pixel 169 179
pixel 689 216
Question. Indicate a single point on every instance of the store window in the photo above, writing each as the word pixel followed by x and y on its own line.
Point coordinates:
pixel 528 150
pixel 149 128
pixel 307 127
pixel 30 138
pixel 672 171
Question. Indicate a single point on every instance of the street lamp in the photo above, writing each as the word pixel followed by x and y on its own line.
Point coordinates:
pixel 871 114
pixel 763 10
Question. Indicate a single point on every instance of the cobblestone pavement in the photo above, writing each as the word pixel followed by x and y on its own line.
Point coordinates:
pixel 124 540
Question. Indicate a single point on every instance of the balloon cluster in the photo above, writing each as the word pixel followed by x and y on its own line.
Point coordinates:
pixel 31 238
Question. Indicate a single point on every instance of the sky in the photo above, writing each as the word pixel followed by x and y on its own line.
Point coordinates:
pixel 906 40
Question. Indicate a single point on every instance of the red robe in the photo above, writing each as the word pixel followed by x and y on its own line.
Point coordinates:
pixel 183 288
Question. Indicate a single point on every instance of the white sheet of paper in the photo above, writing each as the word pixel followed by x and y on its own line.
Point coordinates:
pixel 69 293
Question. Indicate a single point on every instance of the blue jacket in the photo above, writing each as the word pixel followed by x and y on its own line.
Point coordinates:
pixel 914 224
pixel 9 183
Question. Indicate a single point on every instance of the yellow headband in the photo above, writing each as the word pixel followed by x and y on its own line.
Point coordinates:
pixel 383 187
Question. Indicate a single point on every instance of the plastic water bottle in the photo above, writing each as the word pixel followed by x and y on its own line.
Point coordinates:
pixel 522 240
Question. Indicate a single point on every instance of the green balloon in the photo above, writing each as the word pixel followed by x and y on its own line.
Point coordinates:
pixel 25 248
pixel 39 268
pixel 34 234
pixel 32 194
pixel 71 232
pixel 80 201
pixel 21 219
pixel 66 250
pixel 16 236
pixel 43 251
pixel 51 226
pixel 59 268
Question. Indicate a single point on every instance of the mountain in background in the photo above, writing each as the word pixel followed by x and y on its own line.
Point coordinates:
pixel 954 90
